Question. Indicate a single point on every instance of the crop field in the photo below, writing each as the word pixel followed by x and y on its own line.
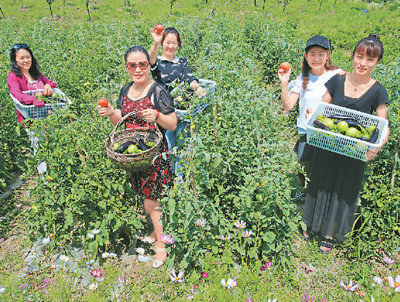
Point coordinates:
pixel 71 234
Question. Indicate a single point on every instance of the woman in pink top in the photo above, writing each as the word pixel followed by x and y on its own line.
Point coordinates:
pixel 24 76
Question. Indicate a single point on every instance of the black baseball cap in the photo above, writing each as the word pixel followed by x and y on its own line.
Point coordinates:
pixel 318 40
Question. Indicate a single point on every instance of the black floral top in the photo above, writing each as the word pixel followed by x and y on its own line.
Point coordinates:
pixel 168 72
pixel 154 181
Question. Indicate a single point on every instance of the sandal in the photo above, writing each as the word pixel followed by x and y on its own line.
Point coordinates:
pixel 306 236
pixel 299 196
pixel 159 263
pixel 327 243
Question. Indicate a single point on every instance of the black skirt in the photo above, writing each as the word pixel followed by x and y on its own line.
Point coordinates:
pixel 332 194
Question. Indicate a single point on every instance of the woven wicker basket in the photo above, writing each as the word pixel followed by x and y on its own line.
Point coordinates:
pixel 137 161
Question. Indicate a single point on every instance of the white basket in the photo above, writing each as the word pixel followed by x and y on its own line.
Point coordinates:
pixel 206 84
pixel 33 112
pixel 342 144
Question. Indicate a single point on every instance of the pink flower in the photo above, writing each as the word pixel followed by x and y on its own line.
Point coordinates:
pixel 204 275
pixel 388 260
pixel 167 239
pixel 308 270
pixel 394 283
pixel 176 278
pixel 47 281
pixel 349 286
pixel 201 223
pixel 216 262
pixel 240 224
pixel 247 234
pixel 224 238
pixel 266 266
pixel 308 298
pixel 230 283
pixel 97 274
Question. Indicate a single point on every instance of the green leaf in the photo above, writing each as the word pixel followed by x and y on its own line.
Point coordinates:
pixel 269 237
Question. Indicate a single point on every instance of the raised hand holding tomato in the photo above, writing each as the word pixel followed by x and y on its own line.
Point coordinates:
pixel 285 66
pixel 159 28
pixel 157 37
pixel 284 72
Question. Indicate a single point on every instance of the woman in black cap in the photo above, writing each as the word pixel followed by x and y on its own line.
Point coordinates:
pixel 334 189
pixel 308 89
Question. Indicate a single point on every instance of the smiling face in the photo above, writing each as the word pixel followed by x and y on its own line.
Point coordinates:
pixel 170 44
pixel 137 74
pixel 23 59
pixel 363 64
pixel 316 57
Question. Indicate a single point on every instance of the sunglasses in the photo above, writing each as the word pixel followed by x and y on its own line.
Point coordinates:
pixel 133 65
pixel 19 46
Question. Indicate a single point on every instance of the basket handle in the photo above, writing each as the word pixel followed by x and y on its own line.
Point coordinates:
pixel 123 119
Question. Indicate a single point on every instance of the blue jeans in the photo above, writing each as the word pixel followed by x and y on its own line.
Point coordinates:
pixel 172 141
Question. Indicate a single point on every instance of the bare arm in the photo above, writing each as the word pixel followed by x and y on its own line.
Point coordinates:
pixel 327 98
pixel 113 115
pixel 154 48
pixel 167 121
pixel 381 111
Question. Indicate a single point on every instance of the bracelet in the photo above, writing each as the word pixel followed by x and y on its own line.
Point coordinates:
pixel 158 114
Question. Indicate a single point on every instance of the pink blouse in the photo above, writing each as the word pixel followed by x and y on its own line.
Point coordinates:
pixel 17 85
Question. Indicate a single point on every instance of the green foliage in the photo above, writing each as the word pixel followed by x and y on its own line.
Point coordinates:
pixel 233 169
pixel 83 191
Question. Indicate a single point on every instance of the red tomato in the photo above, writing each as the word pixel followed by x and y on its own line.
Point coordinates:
pixel 285 66
pixel 103 102
pixel 159 28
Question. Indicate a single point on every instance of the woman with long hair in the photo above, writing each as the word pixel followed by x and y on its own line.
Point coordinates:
pixel 308 88
pixel 24 76
pixel 169 70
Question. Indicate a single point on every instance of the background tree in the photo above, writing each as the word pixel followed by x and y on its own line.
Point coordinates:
pixel 3 17
pixel 87 8
pixel 171 4
pixel 50 2
pixel 130 7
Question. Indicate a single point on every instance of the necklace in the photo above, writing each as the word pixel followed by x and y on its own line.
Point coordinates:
pixel 140 93
pixel 357 87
